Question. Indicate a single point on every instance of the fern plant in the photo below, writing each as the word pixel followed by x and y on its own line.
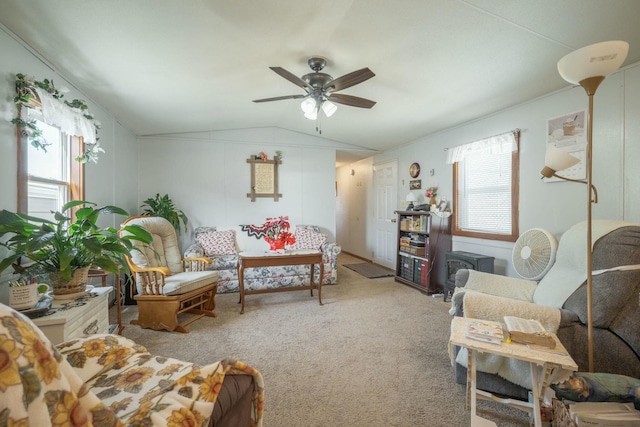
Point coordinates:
pixel 163 206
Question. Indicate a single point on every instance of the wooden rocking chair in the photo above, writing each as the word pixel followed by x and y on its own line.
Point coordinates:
pixel 167 284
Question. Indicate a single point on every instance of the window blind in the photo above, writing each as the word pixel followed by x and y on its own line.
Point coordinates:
pixel 484 185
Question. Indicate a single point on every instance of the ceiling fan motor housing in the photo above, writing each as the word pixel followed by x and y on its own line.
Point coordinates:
pixel 317 63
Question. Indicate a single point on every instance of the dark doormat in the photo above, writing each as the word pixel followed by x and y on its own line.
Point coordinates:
pixel 370 270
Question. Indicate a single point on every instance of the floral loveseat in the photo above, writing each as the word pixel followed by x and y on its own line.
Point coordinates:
pixel 108 380
pixel 223 245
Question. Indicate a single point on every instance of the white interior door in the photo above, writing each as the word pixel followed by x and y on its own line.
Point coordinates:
pixel 385 185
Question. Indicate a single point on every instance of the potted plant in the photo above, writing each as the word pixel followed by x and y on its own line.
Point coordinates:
pixel 277 233
pixel 163 206
pixel 64 249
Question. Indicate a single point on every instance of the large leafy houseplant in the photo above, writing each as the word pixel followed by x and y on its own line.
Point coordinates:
pixel 64 245
pixel 163 206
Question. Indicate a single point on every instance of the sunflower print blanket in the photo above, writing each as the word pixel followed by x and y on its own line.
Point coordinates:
pixel 104 381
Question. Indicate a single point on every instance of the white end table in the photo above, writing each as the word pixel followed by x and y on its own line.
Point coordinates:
pixel 74 318
pixel 542 364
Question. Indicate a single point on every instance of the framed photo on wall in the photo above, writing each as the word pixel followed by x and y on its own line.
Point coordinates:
pixel 415 184
pixel 569 133
pixel 264 179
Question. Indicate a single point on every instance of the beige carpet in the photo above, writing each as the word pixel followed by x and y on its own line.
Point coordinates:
pixel 374 355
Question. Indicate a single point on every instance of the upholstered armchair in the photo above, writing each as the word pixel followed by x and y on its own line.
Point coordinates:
pixel 109 380
pixel 559 302
pixel 167 284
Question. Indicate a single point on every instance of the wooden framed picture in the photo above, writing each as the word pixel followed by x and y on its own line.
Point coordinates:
pixel 415 184
pixel 264 179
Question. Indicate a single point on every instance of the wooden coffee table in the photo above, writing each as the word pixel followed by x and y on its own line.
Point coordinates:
pixel 273 259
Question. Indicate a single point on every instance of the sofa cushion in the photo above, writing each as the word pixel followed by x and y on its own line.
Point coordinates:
pixel 218 242
pixel 308 239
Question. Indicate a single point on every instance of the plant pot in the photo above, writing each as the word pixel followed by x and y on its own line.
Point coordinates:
pixel 78 282
pixel 275 245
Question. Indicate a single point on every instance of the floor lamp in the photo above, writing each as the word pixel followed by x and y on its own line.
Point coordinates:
pixel 586 67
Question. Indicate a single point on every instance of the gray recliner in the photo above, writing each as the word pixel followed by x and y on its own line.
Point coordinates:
pixel 616 310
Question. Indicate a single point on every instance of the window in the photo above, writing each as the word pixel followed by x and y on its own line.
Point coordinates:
pixel 53 177
pixel 485 187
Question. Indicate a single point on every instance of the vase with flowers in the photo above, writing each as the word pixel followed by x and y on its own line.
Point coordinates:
pixel 277 233
pixel 431 194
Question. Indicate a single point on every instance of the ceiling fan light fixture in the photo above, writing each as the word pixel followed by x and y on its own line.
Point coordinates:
pixel 312 115
pixel 308 105
pixel 329 108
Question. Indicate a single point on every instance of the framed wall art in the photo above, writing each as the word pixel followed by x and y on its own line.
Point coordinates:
pixel 264 178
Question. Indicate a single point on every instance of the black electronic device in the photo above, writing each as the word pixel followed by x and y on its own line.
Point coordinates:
pixel 40 309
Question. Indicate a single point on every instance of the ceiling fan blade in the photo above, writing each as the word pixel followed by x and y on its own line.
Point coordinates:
pixel 353 101
pixel 291 77
pixel 349 80
pixel 279 98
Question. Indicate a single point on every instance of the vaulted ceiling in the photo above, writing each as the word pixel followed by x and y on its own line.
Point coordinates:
pixel 168 66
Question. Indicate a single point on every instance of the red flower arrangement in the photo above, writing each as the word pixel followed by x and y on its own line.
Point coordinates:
pixel 277 233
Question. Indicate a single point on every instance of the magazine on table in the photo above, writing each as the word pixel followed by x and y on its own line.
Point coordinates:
pixel 485 330
pixel 528 331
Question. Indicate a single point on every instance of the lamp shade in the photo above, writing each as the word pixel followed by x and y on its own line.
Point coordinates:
pixel 411 197
pixel 308 105
pixel 596 60
pixel 556 160
pixel 312 115
pixel 329 108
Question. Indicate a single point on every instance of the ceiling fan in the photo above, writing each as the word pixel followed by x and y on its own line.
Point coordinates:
pixel 321 89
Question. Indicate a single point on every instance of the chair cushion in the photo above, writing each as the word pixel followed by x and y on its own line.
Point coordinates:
pixel 164 251
pixel 216 242
pixel 308 239
pixel 188 281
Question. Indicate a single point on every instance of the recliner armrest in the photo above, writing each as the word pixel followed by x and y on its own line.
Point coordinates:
pixel 494 284
pixel 490 307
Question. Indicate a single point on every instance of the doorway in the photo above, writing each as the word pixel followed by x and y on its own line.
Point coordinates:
pixel 385 187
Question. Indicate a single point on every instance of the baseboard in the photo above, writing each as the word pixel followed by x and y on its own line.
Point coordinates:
pixel 356 256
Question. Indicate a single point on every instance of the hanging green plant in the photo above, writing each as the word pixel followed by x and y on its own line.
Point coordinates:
pixel 26 93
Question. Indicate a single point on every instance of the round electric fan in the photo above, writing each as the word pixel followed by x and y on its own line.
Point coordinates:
pixel 534 253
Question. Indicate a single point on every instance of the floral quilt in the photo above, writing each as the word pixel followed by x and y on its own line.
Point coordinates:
pixel 104 380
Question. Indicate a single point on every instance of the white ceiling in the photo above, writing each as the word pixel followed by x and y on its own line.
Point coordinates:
pixel 168 66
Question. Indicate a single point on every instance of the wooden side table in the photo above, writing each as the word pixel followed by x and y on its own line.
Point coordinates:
pixel 541 364
pixel 74 318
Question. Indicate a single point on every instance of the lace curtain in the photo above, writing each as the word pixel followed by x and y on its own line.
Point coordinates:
pixel 499 144
pixel 56 113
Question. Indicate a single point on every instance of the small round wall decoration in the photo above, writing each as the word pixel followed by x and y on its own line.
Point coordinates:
pixel 414 170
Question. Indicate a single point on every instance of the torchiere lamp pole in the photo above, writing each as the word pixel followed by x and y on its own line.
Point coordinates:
pixel 588 67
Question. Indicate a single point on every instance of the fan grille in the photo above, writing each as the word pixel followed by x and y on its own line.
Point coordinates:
pixel 534 253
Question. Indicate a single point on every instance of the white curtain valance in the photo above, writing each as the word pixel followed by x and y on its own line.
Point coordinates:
pixel 499 144
pixel 56 113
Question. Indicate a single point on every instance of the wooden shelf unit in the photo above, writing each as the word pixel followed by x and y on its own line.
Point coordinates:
pixel 422 266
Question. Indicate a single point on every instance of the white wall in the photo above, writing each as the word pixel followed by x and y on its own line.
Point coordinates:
pixel 113 181
pixel 208 177
pixel 551 206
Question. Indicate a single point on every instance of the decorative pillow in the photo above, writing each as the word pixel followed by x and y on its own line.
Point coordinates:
pixel 599 387
pixel 218 242
pixel 308 239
